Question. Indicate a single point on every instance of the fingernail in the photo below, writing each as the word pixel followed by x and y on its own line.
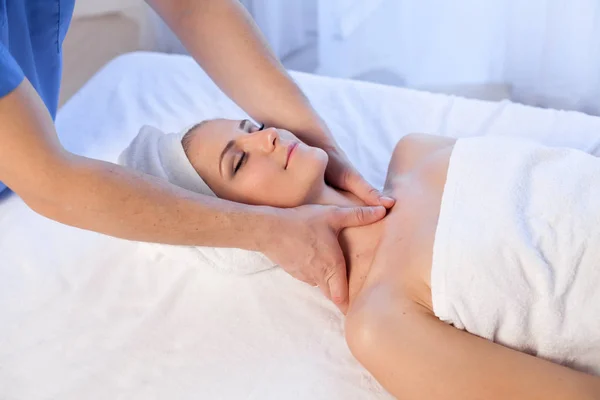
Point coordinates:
pixel 386 198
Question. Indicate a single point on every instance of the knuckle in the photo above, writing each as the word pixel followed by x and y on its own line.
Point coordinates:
pixel 328 273
pixel 360 215
pixel 347 175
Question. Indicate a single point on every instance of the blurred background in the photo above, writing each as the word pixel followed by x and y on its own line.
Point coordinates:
pixel 538 52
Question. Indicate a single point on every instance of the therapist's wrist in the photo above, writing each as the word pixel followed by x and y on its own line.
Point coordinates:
pixel 307 125
pixel 255 227
pixel 270 224
pixel 317 134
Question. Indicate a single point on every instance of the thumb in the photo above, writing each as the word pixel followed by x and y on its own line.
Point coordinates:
pixel 357 185
pixel 338 288
pixel 350 180
pixel 358 216
pixel 334 284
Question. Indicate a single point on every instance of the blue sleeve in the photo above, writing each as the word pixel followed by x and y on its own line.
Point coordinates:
pixel 11 74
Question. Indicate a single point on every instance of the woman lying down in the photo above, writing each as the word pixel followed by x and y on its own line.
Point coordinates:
pixel 483 282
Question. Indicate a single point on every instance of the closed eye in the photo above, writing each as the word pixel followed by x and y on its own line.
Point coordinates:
pixel 240 162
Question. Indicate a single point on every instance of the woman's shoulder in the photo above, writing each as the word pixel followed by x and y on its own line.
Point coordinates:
pixel 415 151
pixel 416 147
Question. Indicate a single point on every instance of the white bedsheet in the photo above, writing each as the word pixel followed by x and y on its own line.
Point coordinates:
pixel 85 316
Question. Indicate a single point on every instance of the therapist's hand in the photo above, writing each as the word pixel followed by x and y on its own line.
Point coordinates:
pixel 341 174
pixel 304 242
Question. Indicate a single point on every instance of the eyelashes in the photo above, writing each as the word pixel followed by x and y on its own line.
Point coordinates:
pixel 239 163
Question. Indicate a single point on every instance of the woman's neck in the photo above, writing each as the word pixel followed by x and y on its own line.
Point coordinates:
pixel 331 196
pixel 358 244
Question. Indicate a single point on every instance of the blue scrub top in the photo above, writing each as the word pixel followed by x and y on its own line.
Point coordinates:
pixel 31 36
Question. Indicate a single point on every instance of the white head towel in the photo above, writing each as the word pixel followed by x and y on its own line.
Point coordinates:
pixel 161 155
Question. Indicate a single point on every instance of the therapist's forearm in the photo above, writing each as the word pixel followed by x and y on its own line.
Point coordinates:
pixel 223 38
pixel 110 199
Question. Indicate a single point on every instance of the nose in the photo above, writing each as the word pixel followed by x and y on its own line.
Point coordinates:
pixel 265 140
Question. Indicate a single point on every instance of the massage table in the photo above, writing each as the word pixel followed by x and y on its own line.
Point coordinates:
pixel 86 316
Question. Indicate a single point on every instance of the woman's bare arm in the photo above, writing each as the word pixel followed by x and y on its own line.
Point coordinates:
pixel 416 356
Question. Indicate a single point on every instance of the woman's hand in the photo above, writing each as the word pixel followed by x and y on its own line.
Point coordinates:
pixel 304 242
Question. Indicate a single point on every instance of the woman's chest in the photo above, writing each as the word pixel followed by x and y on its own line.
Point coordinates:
pixel 408 232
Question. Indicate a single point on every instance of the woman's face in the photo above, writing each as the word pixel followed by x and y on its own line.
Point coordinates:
pixel 262 167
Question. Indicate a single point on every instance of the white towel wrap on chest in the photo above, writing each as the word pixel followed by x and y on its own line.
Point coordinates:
pixel 516 257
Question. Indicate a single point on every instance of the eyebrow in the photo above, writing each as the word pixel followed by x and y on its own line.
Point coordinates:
pixel 228 147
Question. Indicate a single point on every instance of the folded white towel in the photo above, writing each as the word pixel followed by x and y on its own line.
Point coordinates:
pixel 517 249
pixel 161 155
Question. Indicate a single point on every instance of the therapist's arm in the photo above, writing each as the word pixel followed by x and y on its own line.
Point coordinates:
pixel 110 199
pixel 222 37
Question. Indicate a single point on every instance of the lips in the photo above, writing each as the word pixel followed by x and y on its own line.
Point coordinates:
pixel 290 150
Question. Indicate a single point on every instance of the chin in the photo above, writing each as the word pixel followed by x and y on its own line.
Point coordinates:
pixel 314 163
pixel 318 157
pixel 314 177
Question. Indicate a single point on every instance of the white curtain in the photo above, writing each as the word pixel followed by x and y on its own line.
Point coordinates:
pixel 547 51
pixel 552 53
pixel 288 25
